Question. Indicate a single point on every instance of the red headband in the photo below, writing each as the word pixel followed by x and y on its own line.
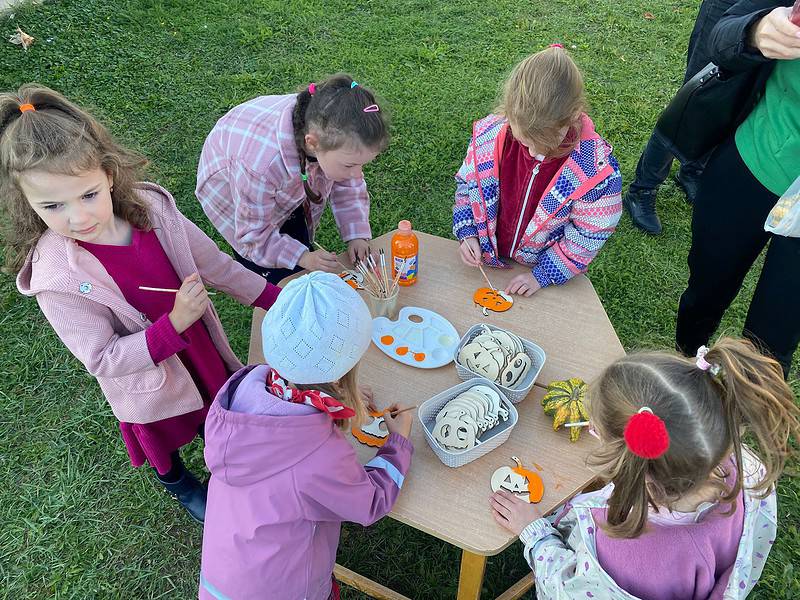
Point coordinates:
pixel 646 434
pixel 556 45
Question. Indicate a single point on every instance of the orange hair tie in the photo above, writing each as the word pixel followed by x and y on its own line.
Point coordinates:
pixel 26 107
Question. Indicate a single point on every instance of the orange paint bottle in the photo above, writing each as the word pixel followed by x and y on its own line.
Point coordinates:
pixel 405 245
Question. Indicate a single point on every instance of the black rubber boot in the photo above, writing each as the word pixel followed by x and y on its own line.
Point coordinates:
pixel 190 493
pixel 689 182
pixel 641 206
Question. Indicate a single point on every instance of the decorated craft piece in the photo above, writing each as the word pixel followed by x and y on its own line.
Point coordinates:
pixel 523 483
pixel 564 401
pixel 355 279
pixel 418 338
pixel 494 300
pixel 371 433
pixel 496 355
pixel 466 417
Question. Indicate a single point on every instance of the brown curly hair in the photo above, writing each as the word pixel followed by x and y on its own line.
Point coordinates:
pixel 57 137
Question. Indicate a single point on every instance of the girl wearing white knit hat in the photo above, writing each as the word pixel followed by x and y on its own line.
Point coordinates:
pixel 283 476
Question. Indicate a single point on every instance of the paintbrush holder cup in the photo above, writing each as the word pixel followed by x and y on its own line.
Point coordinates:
pixel 382 307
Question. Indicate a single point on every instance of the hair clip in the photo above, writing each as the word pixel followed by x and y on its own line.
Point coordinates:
pixel 371 108
pixel 703 364
pixel 646 434
pixel 556 45
pixel 312 88
pixel 26 107
pixel 353 84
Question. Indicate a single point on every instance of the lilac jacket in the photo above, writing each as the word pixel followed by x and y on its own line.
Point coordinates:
pixel 248 183
pixel 89 313
pixel 283 478
pixel 565 551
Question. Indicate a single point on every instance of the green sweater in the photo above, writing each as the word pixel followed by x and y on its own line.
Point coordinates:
pixel 769 138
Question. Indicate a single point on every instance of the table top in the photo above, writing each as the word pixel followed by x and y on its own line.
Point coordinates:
pixel 570 325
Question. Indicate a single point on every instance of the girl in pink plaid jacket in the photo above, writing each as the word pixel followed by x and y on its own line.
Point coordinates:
pixel 269 166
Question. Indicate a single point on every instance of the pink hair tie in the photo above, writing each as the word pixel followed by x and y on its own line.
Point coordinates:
pixel 371 108
pixel 312 88
pixel 556 45
pixel 703 364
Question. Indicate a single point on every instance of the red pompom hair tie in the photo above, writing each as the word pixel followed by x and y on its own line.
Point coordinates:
pixel 646 435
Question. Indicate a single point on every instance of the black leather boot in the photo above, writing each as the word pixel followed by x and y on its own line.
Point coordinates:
pixel 641 205
pixel 190 493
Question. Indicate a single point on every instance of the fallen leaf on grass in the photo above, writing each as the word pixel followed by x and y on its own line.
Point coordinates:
pixel 21 38
pixel 649 16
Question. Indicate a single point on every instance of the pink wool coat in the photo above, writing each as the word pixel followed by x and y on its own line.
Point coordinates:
pixel 91 316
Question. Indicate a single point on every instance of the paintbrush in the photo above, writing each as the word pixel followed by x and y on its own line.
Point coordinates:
pixel 397 277
pixel 397 412
pixel 157 289
pixel 318 245
pixel 480 266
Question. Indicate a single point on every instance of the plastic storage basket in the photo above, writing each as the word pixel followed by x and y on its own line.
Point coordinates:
pixel 487 442
pixel 535 353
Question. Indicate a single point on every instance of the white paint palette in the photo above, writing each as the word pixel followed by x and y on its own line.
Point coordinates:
pixel 418 338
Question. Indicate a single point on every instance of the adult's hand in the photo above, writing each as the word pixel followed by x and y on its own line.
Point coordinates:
pixel 775 36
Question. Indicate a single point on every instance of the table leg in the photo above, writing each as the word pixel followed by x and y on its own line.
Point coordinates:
pixel 470 580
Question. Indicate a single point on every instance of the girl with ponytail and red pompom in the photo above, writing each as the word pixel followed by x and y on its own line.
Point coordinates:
pixel 688 511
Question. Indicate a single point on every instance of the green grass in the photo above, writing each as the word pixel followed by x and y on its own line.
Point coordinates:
pixel 75 520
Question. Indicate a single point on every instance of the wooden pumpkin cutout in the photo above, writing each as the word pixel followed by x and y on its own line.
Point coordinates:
pixel 494 300
pixel 371 433
pixel 523 483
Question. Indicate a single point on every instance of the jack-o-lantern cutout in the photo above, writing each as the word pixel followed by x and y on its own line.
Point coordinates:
pixel 454 433
pixel 353 278
pixel 523 483
pixel 371 432
pixel 494 300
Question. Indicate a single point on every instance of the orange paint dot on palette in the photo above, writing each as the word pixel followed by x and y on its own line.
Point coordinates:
pixel 419 356
pixel 402 350
pixel 387 340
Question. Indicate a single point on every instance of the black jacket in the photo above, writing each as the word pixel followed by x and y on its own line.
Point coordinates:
pixel 727 43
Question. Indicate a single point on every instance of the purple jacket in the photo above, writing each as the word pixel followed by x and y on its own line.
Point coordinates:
pixel 283 478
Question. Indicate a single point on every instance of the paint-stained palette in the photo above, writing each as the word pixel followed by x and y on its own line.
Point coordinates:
pixel 418 338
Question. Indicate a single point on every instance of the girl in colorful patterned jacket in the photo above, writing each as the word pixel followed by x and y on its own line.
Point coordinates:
pixel 688 511
pixel 538 185
pixel 283 476
pixel 269 166
pixel 87 241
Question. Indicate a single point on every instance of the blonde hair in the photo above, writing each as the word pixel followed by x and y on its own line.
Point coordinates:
pixel 345 391
pixel 543 95
pixel 705 416
pixel 57 137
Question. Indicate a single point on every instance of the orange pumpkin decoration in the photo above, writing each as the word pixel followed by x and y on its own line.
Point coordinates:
pixel 494 300
pixel 363 435
pixel 522 482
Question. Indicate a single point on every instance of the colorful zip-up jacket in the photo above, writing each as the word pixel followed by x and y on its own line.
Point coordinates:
pixel 561 549
pixel 577 214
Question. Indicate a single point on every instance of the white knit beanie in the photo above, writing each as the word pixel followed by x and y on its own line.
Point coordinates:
pixel 317 330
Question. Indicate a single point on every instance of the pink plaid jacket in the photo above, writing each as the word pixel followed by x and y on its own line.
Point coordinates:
pixel 248 183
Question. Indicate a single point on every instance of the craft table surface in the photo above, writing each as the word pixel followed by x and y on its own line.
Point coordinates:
pixel 568 322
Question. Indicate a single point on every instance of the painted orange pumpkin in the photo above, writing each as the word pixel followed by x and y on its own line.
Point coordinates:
pixel 494 300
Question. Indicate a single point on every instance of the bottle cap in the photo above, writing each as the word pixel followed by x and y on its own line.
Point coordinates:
pixel 404 225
